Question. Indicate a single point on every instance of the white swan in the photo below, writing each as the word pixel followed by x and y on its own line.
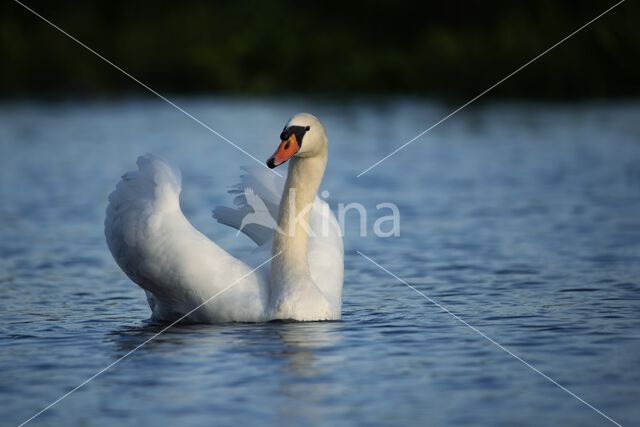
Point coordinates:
pixel 180 268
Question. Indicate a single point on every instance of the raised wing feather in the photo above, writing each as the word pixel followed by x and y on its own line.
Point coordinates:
pixel 157 247
pixel 264 190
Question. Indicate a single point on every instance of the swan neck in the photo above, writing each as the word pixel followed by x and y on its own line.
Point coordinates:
pixel 291 238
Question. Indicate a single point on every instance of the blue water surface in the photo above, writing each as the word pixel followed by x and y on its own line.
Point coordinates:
pixel 521 219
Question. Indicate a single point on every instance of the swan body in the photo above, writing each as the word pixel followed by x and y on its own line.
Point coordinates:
pixel 296 270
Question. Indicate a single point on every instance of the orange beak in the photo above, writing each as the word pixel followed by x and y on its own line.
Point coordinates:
pixel 285 151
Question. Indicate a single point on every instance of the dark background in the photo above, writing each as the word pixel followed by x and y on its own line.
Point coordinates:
pixel 445 49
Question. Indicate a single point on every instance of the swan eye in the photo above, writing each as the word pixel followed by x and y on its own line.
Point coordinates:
pixel 307 128
pixel 283 136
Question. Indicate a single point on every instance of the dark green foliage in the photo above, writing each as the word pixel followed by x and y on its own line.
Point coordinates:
pixel 455 48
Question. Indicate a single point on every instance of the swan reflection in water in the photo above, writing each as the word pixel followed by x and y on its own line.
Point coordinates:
pixel 295 360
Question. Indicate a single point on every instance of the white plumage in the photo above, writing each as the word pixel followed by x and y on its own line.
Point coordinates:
pixel 180 268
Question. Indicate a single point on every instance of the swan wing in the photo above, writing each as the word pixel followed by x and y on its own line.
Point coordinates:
pixel 258 192
pixel 259 188
pixel 178 267
pixel 326 254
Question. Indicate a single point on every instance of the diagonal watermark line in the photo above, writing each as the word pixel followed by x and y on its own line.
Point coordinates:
pixel 506 350
pixel 498 83
pixel 136 348
pixel 168 101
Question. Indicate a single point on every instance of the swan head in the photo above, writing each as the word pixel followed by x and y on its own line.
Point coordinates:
pixel 302 136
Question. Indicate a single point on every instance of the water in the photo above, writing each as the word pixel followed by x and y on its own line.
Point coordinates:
pixel 522 219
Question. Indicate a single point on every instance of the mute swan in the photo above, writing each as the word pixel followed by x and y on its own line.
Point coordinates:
pixel 180 268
